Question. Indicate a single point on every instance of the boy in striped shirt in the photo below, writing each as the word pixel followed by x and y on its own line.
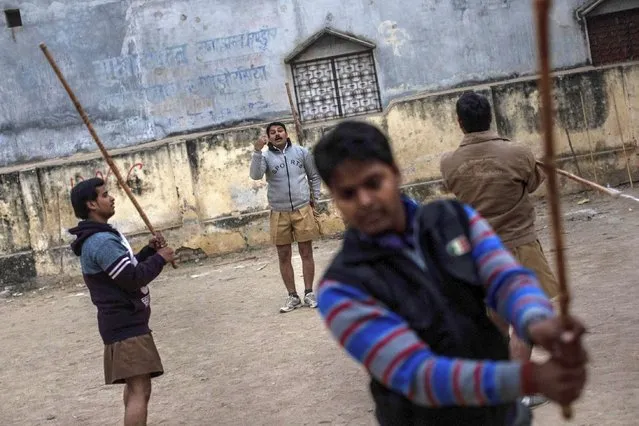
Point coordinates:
pixel 406 297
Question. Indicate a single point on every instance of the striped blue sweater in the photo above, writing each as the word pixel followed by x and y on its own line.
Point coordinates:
pixel 392 352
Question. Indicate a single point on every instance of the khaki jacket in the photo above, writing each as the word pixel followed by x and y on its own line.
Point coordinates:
pixel 495 176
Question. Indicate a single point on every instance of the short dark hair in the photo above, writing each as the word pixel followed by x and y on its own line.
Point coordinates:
pixel 273 124
pixel 82 193
pixel 474 112
pixel 351 140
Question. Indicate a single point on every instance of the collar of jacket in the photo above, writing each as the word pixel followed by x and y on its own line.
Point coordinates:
pixel 272 147
pixel 479 137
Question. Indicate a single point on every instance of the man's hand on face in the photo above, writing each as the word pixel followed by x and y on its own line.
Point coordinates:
pixel 261 142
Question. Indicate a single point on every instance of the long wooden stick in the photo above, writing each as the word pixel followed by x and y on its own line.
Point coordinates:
pixel 60 242
pixel 633 136
pixel 574 156
pixel 592 152
pixel 543 17
pixel 623 142
pixel 296 116
pixel 615 193
pixel 593 185
pixel 98 142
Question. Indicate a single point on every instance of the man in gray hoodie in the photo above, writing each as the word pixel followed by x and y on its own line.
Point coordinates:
pixel 289 169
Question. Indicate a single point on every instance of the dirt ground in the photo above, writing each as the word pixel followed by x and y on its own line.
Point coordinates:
pixel 232 359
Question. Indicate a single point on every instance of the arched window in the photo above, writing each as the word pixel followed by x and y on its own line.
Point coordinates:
pixel 334 76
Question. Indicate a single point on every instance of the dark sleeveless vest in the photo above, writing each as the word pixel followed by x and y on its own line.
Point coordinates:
pixel 444 304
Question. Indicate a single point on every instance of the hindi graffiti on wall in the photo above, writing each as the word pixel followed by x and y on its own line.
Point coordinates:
pixel 194 84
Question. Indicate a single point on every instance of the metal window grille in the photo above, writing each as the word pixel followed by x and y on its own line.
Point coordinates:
pixel 337 87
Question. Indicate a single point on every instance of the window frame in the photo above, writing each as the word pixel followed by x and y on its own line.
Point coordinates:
pixel 595 54
pixel 339 98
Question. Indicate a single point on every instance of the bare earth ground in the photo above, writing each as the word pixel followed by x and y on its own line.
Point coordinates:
pixel 232 359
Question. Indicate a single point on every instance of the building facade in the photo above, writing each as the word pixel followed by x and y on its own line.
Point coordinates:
pixel 146 70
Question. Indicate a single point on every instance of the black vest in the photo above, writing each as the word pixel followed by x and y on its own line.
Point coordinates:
pixel 444 305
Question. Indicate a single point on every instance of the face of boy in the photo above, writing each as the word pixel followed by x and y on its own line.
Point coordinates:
pixel 367 194
pixel 277 136
pixel 104 205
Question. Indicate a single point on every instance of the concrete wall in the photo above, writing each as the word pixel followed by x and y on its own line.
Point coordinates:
pixel 196 188
pixel 145 70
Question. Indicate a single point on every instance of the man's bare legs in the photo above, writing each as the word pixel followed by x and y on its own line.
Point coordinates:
pixel 137 393
pixel 308 267
pixel 284 253
pixel 308 264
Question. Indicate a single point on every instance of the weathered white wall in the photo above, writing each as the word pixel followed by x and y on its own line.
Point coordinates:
pixel 197 190
pixel 147 69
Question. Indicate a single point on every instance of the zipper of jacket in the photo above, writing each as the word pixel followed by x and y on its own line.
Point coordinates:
pixel 288 178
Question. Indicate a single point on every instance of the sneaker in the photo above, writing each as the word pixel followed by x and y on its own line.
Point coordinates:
pixel 292 303
pixel 310 300
pixel 533 401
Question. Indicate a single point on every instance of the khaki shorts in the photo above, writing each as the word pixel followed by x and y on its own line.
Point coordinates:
pixel 532 256
pixel 132 357
pixel 299 225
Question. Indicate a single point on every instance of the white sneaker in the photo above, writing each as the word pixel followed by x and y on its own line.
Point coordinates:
pixel 532 401
pixel 292 303
pixel 310 300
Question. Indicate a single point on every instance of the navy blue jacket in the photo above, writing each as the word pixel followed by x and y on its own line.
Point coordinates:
pixel 117 279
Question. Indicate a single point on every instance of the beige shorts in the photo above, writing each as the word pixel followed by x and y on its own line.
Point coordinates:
pixel 132 357
pixel 532 256
pixel 299 225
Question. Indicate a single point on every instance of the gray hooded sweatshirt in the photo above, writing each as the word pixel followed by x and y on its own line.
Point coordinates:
pixel 288 173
